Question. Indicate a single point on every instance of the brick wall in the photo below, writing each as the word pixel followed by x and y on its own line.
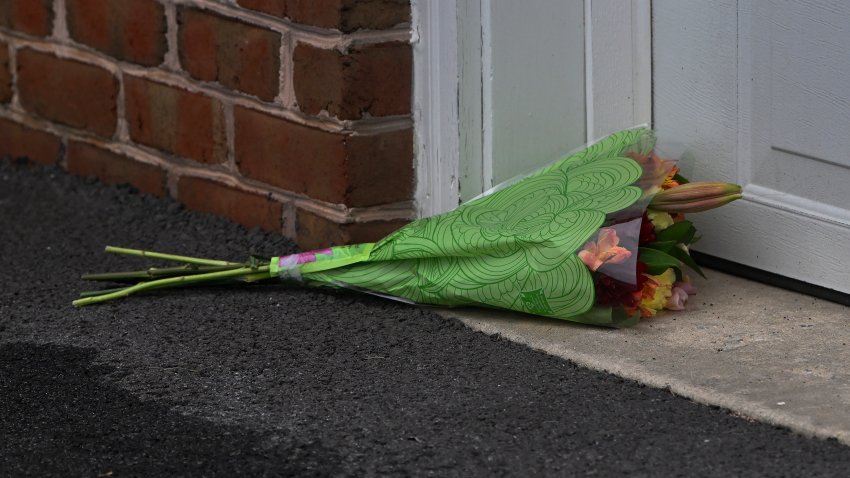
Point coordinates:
pixel 291 115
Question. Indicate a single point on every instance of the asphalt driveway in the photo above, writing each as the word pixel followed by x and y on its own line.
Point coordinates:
pixel 282 381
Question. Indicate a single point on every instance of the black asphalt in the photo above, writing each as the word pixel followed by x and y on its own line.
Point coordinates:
pixel 285 381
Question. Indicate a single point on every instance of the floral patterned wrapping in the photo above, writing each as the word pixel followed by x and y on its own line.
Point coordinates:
pixel 538 245
pixel 598 237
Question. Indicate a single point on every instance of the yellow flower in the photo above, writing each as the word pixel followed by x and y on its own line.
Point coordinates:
pixel 660 220
pixel 656 292
pixel 670 181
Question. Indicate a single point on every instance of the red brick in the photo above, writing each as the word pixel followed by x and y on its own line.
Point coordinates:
pixel 272 7
pixel 374 79
pixel 290 156
pixel 344 15
pixel 248 209
pixel 334 167
pixel 67 91
pixel 111 168
pixel 314 231
pixel 130 30
pixel 180 122
pixel 34 17
pixel 380 168
pixel 18 141
pixel 5 74
pixel 237 55
pixel 350 15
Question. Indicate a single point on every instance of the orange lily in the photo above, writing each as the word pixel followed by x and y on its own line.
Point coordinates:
pixel 604 250
pixel 695 197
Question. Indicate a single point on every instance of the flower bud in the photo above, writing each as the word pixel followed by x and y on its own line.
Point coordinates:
pixel 695 197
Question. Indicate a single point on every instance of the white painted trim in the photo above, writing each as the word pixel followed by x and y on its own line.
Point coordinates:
pixel 588 71
pixel 797 205
pixel 642 61
pixel 744 95
pixel 471 175
pixel 435 99
pixel 487 173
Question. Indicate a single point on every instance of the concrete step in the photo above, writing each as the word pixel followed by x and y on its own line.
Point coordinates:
pixel 762 352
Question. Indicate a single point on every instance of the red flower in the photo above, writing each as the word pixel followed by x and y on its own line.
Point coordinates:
pixel 614 293
pixel 647 231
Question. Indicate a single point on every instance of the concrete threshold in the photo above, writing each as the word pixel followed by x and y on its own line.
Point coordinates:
pixel 762 352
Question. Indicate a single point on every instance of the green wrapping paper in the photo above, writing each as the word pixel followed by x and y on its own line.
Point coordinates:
pixel 513 248
pixel 599 237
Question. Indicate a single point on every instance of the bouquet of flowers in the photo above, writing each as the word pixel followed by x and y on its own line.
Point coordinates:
pixel 598 237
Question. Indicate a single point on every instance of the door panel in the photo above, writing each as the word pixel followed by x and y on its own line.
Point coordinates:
pixel 534 82
pixel 522 88
pixel 809 70
pixel 539 79
pixel 801 108
pixel 757 91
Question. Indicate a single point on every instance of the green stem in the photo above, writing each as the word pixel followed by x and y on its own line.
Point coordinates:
pixel 170 282
pixel 169 257
pixel 116 276
pixel 95 293
pixel 260 276
pixel 156 273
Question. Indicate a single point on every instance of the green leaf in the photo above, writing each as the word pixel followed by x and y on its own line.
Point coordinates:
pixel 657 261
pixel 663 246
pixel 682 231
pixel 686 259
pixel 680 179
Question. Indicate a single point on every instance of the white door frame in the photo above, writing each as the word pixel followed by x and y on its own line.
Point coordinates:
pixel 450 106
pixel 435 104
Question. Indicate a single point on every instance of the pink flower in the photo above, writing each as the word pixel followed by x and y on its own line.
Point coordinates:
pixel 686 286
pixel 605 250
pixel 680 293
pixel 677 299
